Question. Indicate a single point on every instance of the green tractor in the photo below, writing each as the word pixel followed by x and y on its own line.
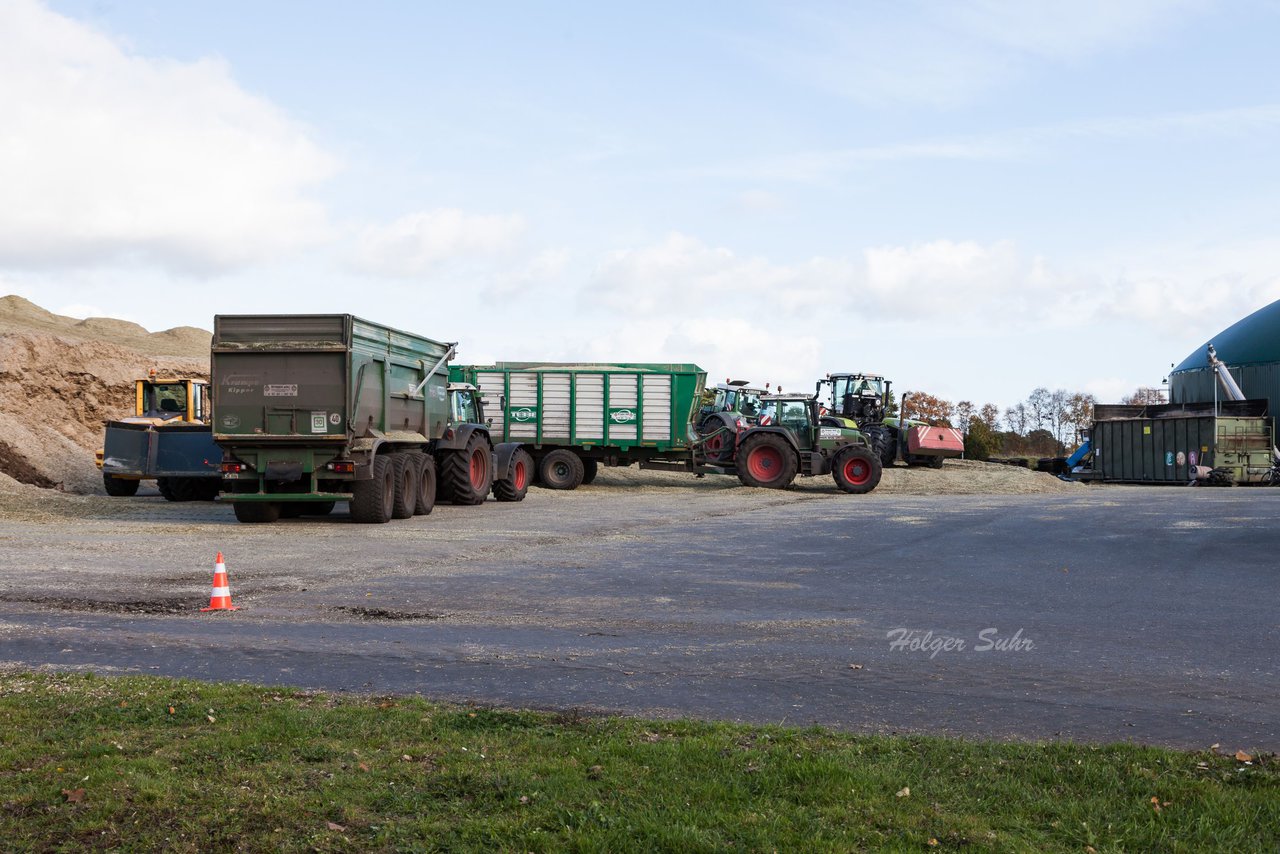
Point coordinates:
pixel 862 401
pixel 791 440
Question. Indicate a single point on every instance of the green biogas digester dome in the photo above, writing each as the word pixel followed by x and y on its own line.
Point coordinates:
pixel 1250 348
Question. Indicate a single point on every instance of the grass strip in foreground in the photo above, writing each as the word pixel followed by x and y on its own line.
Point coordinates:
pixel 146 763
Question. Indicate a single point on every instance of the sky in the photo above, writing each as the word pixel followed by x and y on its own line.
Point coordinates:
pixel 970 198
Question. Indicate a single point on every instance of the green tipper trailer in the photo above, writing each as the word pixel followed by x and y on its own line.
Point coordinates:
pixel 573 417
pixel 319 408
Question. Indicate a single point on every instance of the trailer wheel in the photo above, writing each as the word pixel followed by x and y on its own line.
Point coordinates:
pixel 426 483
pixel 318 508
pixel 561 469
pixel 767 460
pixel 256 511
pixel 405 476
pixel 119 487
pixel 468 474
pixel 178 488
pixel 590 468
pixel 856 470
pixel 371 499
pixel 517 486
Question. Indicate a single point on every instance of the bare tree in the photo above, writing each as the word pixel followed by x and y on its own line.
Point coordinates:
pixel 1145 396
pixel 1080 412
pixel 1038 406
pixel 964 412
pixel 1018 419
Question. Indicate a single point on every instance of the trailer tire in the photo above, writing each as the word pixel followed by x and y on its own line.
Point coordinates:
pixel 318 508
pixel 856 470
pixel 256 511
pixel 468 474
pixel 292 509
pixel 768 461
pixel 207 488
pixel 590 468
pixel 119 487
pixel 561 469
pixel 426 483
pixel 371 499
pixel 176 488
pixel 517 486
pixel 405 474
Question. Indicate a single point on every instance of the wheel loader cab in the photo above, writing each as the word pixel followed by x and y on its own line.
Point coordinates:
pixel 172 399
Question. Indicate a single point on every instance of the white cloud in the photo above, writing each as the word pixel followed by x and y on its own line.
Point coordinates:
pixel 106 155
pixel 417 242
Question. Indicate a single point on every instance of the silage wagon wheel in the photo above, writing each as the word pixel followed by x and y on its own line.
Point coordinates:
pixel 856 470
pixel 768 461
pixel 372 499
pixel 404 489
pixel 561 469
pixel 426 482
pixel 590 468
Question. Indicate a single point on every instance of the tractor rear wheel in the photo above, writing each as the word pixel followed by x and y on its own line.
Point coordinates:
pixel 256 511
pixel 883 444
pixel 405 489
pixel 119 487
pixel 468 474
pixel 590 468
pixel 426 483
pixel 371 499
pixel 856 470
pixel 767 460
pixel 561 469
pixel 517 486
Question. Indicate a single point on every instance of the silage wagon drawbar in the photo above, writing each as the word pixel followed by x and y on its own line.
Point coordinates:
pixel 312 410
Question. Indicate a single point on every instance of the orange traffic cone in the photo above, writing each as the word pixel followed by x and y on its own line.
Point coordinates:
pixel 220 600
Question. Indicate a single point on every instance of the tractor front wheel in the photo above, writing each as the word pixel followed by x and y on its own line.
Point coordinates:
pixel 856 470
pixel 515 487
pixel 768 461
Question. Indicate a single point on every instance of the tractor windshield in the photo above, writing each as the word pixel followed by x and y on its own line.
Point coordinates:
pixel 166 400
pixel 464 407
pixel 857 386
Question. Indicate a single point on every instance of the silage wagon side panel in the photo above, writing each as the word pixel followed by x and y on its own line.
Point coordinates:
pixel 627 407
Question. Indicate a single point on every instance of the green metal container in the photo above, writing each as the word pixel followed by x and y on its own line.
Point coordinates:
pixel 1167 450
pixel 614 413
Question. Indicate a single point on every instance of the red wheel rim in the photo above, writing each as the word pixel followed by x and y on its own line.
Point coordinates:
pixel 765 463
pixel 478 469
pixel 520 475
pixel 857 471
pixel 715 444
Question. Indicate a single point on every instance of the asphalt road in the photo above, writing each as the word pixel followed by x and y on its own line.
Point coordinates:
pixel 1109 614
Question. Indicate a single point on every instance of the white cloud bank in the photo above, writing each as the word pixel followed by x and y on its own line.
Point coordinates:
pixel 416 243
pixel 107 156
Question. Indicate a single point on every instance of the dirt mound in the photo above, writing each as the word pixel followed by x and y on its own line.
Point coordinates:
pixel 61 378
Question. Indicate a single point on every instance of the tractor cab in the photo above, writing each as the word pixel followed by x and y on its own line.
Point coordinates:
pixel 862 398
pixel 736 397
pixel 800 417
pixel 464 404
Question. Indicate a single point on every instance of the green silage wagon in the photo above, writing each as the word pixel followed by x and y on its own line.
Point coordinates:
pixel 574 417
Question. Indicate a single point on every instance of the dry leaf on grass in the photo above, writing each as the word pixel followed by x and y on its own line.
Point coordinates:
pixel 904 792
pixel 73 796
